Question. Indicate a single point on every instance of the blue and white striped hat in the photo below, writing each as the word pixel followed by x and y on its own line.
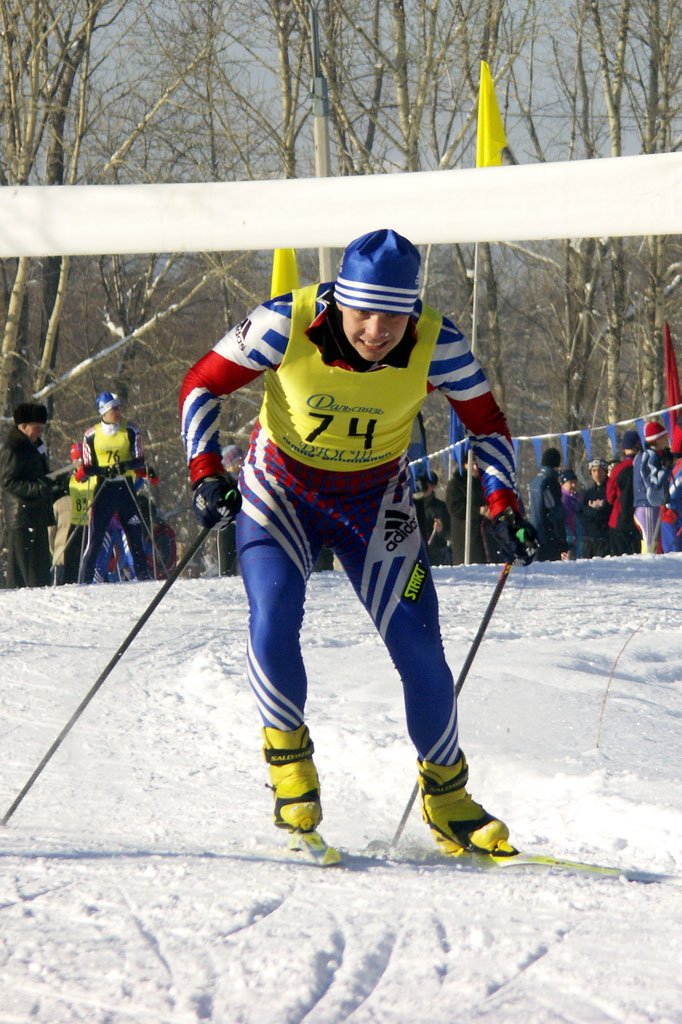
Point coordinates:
pixel 379 271
pixel 107 400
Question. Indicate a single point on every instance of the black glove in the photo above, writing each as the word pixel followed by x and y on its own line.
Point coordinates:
pixel 108 472
pixel 516 537
pixel 667 459
pixel 47 488
pixel 216 500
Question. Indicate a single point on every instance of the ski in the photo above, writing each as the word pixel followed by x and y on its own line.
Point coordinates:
pixel 549 862
pixel 310 848
pixel 521 861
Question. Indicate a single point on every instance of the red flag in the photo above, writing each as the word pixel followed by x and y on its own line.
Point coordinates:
pixel 672 389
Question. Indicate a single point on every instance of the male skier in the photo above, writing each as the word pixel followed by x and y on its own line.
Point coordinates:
pixel 347 367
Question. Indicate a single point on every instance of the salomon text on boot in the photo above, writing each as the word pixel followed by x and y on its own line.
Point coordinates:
pixel 294 779
pixel 459 825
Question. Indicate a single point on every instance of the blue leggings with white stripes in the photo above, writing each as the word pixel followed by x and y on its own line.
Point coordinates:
pixel 288 513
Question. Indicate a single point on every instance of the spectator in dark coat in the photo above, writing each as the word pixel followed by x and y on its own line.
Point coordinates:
pixel 482 546
pixel 547 510
pixel 27 498
pixel 434 521
pixel 594 513
pixel 624 537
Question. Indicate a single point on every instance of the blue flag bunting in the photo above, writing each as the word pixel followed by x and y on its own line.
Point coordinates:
pixel 564 447
pixel 460 442
pixel 640 430
pixel 457 429
pixel 459 448
pixel 587 442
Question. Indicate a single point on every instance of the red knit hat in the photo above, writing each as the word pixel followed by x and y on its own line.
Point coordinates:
pixel 653 431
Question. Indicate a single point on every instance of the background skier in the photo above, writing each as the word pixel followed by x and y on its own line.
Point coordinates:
pixel 113 451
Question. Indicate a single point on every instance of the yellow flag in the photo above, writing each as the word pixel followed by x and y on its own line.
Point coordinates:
pixel 284 272
pixel 490 139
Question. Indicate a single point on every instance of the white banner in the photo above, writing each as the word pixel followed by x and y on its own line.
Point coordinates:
pixel 640 195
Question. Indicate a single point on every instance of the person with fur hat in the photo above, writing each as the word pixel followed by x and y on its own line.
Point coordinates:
pixel 347 365
pixel 650 475
pixel 113 452
pixel 624 538
pixel 547 509
pixel 27 494
pixel 593 513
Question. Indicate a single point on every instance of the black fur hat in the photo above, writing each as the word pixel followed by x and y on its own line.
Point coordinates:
pixel 30 412
pixel 551 457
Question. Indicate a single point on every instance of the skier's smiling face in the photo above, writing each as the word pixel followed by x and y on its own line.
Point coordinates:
pixel 371 333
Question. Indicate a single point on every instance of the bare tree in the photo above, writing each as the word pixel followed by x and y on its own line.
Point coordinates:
pixel 653 87
pixel 45 70
pixel 60 68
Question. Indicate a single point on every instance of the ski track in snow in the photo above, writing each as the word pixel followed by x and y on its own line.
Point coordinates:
pixel 136 883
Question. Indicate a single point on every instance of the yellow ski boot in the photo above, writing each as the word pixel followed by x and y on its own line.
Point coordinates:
pixel 294 779
pixel 458 823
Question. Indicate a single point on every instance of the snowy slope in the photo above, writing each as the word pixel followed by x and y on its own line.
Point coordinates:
pixel 134 881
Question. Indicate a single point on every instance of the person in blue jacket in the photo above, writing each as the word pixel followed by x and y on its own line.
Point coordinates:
pixel 547 509
pixel 650 476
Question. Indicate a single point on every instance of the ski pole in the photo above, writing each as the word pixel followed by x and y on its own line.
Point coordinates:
pixel 150 534
pixel 79 522
pixel 58 472
pixel 155 550
pixel 487 615
pixel 194 547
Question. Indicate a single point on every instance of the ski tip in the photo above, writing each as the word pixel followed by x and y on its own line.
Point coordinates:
pixel 331 856
pixel 549 862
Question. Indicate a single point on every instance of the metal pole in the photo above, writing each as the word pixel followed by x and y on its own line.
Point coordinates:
pixel 149 527
pixel 193 548
pixel 86 537
pixel 470 462
pixel 487 615
pixel 155 567
pixel 319 94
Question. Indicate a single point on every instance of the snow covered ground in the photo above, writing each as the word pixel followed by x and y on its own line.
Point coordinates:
pixel 134 879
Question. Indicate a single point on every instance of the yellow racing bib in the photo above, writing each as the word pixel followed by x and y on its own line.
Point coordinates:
pixel 110 448
pixel 81 492
pixel 338 419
